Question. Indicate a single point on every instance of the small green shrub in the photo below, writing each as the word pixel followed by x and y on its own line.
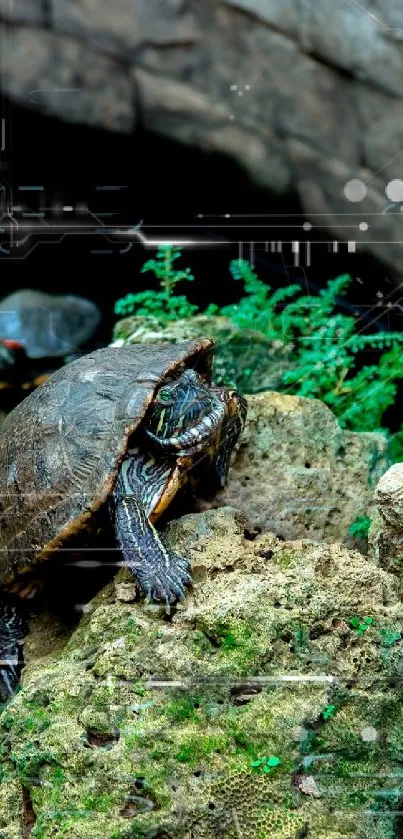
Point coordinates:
pixel 163 304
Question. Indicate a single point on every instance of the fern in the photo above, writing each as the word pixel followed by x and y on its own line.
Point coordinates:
pixel 163 304
pixel 258 309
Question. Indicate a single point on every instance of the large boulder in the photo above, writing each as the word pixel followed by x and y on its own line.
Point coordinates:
pixel 267 705
pixel 299 474
pixel 300 104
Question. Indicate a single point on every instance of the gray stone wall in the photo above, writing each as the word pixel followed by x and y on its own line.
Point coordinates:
pixel 303 94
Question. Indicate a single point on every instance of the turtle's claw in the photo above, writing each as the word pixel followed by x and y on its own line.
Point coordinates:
pixel 169 585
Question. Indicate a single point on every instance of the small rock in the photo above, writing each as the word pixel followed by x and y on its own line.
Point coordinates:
pixel 307 785
pixel 126 592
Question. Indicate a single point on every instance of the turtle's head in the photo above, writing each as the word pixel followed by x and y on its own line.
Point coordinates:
pixel 185 414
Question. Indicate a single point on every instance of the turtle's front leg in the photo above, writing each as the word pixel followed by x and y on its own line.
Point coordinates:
pixel 13 629
pixel 162 574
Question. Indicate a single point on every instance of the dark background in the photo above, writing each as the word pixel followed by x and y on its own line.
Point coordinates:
pixel 165 184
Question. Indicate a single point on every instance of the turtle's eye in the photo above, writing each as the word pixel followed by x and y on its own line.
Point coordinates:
pixel 164 395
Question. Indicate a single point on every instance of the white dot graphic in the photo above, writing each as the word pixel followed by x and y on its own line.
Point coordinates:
pixel 355 190
pixel 394 190
pixel 307 225
pixel 369 734
pixel 363 225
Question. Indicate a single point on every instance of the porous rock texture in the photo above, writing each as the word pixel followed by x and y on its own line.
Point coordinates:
pixel 303 94
pixel 142 726
pixel 301 475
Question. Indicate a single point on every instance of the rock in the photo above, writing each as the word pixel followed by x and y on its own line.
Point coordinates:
pixel 297 103
pixel 389 496
pixel 244 358
pixel 247 713
pixel 385 538
pixel 48 324
pixel 94 88
pixel 299 474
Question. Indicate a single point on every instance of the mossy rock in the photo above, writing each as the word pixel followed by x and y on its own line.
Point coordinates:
pixel 143 726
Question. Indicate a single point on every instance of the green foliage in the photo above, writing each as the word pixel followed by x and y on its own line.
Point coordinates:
pixel 359 527
pixel 326 348
pixel 326 351
pixel 329 712
pixel 182 709
pixel 361 624
pixel 258 309
pixel 300 639
pixel 163 304
pixel 266 763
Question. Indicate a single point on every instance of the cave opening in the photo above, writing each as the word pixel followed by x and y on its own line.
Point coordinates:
pixel 167 186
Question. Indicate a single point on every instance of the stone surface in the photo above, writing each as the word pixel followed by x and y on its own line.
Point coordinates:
pixel 129 28
pixel 22 11
pixel 300 104
pixel 143 727
pixel 61 76
pixel 385 537
pixel 299 474
pixel 389 496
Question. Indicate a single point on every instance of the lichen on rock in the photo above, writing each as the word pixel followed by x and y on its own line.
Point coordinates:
pixel 258 708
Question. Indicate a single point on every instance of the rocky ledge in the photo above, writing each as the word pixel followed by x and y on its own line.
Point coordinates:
pixel 268 704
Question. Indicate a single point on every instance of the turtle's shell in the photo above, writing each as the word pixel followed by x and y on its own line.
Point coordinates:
pixel 61 447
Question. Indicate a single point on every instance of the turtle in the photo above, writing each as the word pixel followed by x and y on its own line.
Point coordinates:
pixel 120 430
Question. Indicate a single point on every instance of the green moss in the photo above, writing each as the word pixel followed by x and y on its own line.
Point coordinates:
pixel 199 643
pixel 285 559
pixel 29 760
pixel 26 718
pixel 132 628
pixel 182 709
pixel 100 802
pixel 235 641
pixel 174 744
pixel 196 747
